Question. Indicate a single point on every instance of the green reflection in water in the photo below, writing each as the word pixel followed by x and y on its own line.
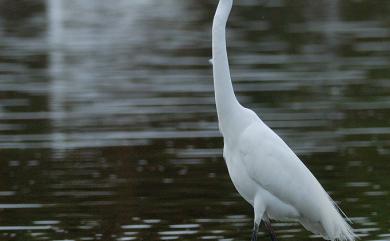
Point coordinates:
pixel 107 120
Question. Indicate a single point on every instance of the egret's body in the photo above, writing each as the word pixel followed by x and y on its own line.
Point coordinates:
pixel 264 170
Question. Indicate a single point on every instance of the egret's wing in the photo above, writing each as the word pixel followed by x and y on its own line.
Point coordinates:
pixel 274 166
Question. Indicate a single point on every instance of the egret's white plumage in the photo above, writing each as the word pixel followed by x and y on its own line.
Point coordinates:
pixel 264 170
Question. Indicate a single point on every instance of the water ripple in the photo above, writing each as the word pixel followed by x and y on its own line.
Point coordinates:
pixel 108 129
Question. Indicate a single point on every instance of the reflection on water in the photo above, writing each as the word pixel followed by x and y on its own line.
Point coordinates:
pixel 108 127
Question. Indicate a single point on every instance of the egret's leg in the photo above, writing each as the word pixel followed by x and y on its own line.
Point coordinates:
pixel 255 231
pixel 259 208
pixel 270 231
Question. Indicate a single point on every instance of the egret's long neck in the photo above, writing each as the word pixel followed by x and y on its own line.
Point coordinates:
pixel 224 94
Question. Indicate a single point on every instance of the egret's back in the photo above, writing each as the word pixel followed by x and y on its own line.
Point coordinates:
pixel 274 167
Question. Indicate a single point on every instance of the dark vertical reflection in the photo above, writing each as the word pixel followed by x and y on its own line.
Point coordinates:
pixel 23 60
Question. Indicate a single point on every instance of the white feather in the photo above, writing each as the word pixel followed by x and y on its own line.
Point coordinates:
pixel 263 168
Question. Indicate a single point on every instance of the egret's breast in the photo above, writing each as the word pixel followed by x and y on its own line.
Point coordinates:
pixel 241 180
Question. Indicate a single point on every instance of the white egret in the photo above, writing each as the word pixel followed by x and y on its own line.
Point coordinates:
pixel 263 169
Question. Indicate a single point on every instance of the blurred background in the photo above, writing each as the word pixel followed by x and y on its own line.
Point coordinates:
pixel 108 128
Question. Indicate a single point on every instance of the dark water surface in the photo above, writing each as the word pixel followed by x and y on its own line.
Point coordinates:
pixel 107 120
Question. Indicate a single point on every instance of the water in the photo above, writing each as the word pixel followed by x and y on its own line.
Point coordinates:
pixel 108 127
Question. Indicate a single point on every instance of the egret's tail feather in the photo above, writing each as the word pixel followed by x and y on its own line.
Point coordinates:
pixel 336 227
pixel 341 211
